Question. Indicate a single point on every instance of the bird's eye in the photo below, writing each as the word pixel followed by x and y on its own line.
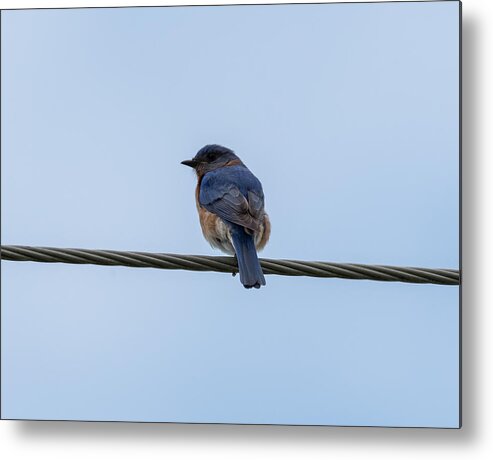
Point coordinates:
pixel 212 156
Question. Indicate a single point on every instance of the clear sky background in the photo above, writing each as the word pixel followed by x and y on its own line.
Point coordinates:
pixel 348 114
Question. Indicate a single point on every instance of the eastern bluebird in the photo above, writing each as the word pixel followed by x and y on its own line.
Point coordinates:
pixel 230 203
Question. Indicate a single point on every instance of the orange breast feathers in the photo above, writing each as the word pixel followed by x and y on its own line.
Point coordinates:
pixel 216 232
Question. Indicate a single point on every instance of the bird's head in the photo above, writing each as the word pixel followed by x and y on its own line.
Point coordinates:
pixel 211 157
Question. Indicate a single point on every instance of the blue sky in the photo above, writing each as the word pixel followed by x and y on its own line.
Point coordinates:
pixel 348 114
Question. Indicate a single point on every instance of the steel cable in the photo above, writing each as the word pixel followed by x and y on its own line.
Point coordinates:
pixel 229 265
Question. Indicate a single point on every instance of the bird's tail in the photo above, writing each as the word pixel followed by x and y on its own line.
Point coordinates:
pixel 250 270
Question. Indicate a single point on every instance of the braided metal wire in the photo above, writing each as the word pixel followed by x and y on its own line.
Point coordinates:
pixel 229 265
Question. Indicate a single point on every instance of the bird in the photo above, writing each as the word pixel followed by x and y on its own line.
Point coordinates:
pixel 230 204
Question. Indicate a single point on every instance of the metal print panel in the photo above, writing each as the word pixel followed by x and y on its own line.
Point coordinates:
pixel 337 125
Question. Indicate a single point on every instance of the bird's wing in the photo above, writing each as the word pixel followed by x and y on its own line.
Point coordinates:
pixel 235 195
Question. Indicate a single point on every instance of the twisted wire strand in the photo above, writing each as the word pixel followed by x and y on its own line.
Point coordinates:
pixel 229 265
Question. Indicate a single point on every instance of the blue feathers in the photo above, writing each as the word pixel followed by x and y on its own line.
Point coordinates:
pixel 250 270
pixel 218 182
pixel 235 195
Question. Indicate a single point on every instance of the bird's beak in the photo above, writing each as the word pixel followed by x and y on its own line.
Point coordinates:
pixel 191 163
